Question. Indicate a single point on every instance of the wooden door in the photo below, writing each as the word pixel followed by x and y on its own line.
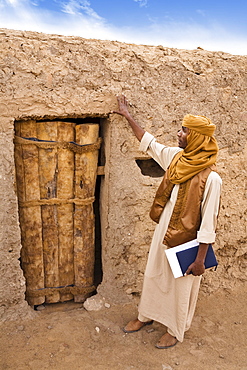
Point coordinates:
pixel 56 169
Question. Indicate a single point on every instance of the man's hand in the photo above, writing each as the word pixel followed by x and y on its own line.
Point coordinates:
pixel 196 268
pixel 122 106
pixel 123 111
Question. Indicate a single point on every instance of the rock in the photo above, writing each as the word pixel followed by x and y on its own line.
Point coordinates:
pixel 166 367
pixel 40 307
pixel 94 303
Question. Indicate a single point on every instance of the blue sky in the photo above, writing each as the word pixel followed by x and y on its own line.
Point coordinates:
pixel 212 25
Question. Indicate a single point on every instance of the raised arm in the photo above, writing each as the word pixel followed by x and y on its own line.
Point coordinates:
pixel 124 111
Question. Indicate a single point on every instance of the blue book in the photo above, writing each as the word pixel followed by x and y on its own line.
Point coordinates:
pixel 188 256
pixel 182 256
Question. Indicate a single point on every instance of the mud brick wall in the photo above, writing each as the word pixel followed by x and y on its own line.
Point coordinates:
pixel 49 77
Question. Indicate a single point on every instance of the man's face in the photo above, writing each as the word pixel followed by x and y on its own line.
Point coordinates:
pixel 182 137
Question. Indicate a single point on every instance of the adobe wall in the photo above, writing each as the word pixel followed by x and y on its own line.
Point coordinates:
pixel 49 76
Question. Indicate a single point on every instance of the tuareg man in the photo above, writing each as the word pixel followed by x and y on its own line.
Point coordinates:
pixel 185 208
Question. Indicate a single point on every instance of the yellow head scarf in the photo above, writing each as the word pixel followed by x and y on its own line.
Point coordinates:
pixel 201 150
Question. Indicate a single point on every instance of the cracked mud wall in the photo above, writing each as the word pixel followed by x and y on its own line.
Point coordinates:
pixel 50 76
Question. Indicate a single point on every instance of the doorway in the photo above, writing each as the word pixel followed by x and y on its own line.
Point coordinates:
pixel 58 197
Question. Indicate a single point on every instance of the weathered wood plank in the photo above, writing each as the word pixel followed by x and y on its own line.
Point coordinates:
pixel 26 158
pixel 48 190
pixel 85 178
pixel 65 213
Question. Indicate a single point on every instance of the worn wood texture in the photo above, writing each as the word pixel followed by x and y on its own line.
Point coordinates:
pixel 85 178
pixel 28 189
pixel 48 190
pixel 65 216
pixel 65 254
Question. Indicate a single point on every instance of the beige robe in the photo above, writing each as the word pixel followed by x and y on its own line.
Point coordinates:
pixel 165 299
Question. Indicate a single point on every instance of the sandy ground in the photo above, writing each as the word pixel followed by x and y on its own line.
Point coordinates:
pixel 66 336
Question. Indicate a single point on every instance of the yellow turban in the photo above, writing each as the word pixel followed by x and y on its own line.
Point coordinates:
pixel 201 150
pixel 200 124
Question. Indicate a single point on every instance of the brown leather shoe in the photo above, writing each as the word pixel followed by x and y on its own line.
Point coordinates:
pixel 172 340
pixel 143 324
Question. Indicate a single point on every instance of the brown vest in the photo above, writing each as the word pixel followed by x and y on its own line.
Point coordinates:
pixel 186 217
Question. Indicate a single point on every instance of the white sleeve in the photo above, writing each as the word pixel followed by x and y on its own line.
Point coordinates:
pixel 209 209
pixel 162 154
